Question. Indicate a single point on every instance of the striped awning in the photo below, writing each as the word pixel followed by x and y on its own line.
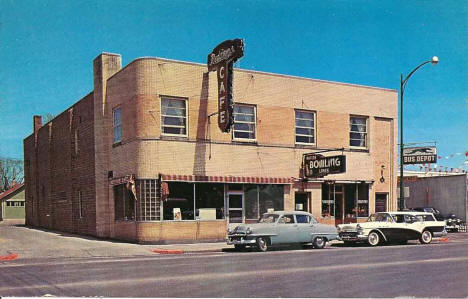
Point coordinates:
pixel 226 179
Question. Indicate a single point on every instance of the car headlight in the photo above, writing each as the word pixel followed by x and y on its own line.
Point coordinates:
pixel 248 231
pixel 229 230
pixel 359 229
pixel 338 228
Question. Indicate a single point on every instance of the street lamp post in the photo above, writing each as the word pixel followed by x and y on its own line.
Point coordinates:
pixel 434 61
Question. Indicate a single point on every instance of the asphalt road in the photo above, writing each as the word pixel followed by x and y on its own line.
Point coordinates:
pixel 435 270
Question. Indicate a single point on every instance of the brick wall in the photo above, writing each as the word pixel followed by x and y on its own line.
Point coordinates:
pixel 55 172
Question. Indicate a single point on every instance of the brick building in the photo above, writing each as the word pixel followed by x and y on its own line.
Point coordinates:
pixel 153 123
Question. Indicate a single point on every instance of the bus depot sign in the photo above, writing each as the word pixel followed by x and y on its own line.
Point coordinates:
pixel 221 59
pixel 419 155
pixel 316 165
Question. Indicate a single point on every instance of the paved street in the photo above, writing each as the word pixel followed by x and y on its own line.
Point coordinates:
pixel 436 270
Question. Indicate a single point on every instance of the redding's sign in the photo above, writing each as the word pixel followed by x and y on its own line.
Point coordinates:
pixel 316 165
pixel 221 59
pixel 419 155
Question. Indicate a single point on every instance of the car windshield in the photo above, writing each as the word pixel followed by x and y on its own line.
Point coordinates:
pixel 379 217
pixel 268 218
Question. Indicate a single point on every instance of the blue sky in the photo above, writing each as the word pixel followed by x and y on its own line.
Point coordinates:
pixel 47 48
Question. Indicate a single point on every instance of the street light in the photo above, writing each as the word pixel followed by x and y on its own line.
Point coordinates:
pixel 433 61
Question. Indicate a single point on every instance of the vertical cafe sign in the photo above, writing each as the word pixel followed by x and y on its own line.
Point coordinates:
pixel 221 60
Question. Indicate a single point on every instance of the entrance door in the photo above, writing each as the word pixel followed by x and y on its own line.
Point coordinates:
pixel 338 196
pixel 381 202
pixel 235 204
pixel 301 202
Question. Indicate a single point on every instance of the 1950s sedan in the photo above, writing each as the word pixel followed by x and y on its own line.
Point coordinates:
pixel 282 227
pixel 393 227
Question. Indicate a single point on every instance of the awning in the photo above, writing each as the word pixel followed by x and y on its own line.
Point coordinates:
pixel 226 179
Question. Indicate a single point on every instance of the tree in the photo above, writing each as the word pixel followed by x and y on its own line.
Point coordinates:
pixel 48 117
pixel 11 172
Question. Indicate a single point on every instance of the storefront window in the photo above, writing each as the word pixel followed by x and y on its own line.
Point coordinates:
pixel 328 202
pixel 251 201
pixel 271 197
pixel 363 200
pixel 209 201
pixel 179 204
pixel 350 200
pixel 124 203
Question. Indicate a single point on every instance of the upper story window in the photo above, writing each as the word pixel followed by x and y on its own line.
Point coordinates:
pixel 305 127
pixel 358 132
pixel 174 117
pixel 244 122
pixel 117 124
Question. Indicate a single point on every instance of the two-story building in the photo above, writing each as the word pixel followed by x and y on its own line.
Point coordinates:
pixel 141 157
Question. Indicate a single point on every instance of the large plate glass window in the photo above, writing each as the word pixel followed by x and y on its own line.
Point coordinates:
pixel 117 124
pixel 244 122
pixel 305 127
pixel 124 203
pixel 358 131
pixel 174 116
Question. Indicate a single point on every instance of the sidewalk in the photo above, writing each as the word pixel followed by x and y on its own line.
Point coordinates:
pixel 32 243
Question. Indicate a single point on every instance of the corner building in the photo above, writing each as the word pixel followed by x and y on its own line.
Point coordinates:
pixel 153 125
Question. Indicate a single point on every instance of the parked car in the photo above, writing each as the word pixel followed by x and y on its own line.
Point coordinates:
pixel 282 227
pixel 453 223
pixel 393 227
pixel 432 210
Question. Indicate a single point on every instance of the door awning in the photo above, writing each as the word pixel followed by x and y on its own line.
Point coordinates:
pixel 226 179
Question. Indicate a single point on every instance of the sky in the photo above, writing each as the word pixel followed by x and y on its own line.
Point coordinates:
pixel 47 49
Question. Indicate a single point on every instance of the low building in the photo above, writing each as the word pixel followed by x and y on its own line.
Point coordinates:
pixel 447 192
pixel 141 158
pixel 12 203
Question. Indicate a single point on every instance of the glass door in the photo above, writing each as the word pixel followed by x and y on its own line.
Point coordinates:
pixel 235 207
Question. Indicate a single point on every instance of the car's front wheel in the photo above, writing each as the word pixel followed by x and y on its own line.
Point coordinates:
pixel 426 237
pixel 373 239
pixel 262 244
pixel 319 242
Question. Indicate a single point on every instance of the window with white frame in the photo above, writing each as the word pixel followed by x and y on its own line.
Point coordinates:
pixel 358 131
pixel 117 125
pixel 305 127
pixel 174 116
pixel 244 122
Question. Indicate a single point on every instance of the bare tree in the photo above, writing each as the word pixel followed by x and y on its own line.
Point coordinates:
pixel 11 172
pixel 48 117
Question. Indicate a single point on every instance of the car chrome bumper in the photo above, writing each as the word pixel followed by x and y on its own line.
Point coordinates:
pixel 352 237
pixel 240 241
pixel 440 234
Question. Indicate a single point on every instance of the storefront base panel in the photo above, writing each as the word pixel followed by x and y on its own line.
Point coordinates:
pixel 125 230
pixel 181 232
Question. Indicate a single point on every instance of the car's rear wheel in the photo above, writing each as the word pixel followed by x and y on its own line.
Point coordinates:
pixel 426 237
pixel 239 247
pixel 373 239
pixel 319 242
pixel 262 244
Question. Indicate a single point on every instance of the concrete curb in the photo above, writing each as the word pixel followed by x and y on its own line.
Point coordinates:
pixel 168 251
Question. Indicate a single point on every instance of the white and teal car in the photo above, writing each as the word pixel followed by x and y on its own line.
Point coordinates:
pixel 282 227
pixel 393 227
